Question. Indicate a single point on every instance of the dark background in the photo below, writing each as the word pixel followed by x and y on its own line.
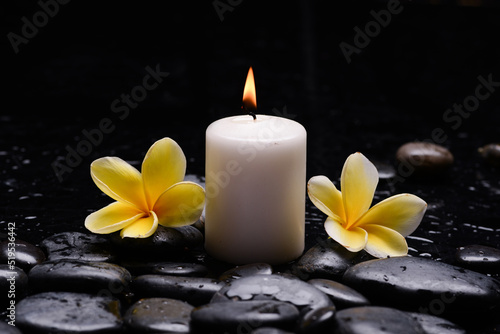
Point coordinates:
pixel 64 80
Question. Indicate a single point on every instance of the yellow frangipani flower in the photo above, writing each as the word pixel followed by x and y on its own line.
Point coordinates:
pixel 157 196
pixel 379 230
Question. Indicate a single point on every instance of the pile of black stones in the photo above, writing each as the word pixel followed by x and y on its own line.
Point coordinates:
pixel 78 282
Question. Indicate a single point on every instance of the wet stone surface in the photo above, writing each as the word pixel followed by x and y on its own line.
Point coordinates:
pixel 78 246
pixel 164 242
pixel 273 287
pixel 220 298
pixel 79 276
pixel 327 259
pixel 243 316
pixel 67 312
pixel 194 290
pixel 376 320
pixel 320 320
pixel 13 283
pixel 418 283
pixel 180 269
pixel 246 270
pixel 341 295
pixel 159 315
pixel 480 258
pixel 27 255
pixel 435 325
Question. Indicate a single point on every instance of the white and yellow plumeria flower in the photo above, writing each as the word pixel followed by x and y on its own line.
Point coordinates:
pixel 379 230
pixel 157 196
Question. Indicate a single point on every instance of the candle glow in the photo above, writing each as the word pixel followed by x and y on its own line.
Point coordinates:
pixel 249 94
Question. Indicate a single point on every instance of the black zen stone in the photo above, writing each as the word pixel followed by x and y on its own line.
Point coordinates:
pixel 194 290
pixel 273 287
pixel 68 312
pixel 79 276
pixel 78 246
pixel 26 255
pixel 159 315
pixel 480 258
pixel 140 265
pixel 435 325
pixel 327 259
pixel 13 284
pixel 418 283
pixel 341 295
pixel 246 270
pixel 318 321
pixel 376 320
pixel 162 244
pixel 243 316
pixel 180 269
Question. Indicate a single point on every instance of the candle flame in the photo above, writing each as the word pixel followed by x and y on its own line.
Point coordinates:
pixel 249 95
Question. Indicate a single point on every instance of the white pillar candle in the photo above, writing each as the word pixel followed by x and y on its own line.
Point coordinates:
pixel 255 187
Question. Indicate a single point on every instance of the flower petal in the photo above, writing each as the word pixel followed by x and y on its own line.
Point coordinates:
pixel 163 166
pixel 358 182
pixel 383 242
pixel 141 228
pixel 401 213
pixel 112 218
pixel 326 197
pixel 182 204
pixel 119 180
pixel 353 239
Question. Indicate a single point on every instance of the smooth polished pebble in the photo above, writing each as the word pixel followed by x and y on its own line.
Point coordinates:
pixel 194 290
pixel 419 283
pixel 243 316
pixel 13 284
pixel 327 259
pixel 246 270
pixel 79 276
pixel 165 242
pixel 341 295
pixel 273 287
pixel 139 265
pixel 159 315
pixel 26 255
pixel 78 246
pixel 376 320
pixel 422 158
pixel 480 258
pixel 435 325
pixel 180 269
pixel 320 320
pixel 68 312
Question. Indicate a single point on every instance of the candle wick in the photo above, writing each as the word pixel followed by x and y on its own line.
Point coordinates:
pixel 250 112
